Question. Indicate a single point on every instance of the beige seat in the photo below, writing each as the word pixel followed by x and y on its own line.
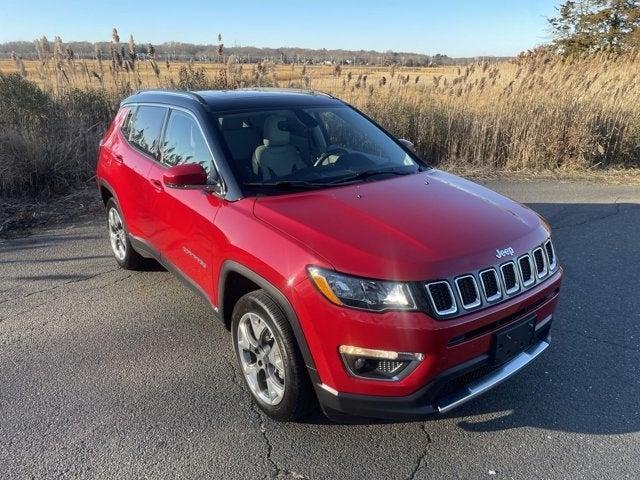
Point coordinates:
pixel 241 138
pixel 276 157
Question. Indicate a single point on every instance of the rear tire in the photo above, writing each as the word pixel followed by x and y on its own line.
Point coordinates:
pixel 269 359
pixel 123 251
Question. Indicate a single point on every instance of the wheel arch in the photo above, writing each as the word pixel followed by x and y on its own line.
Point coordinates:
pixel 107 192
pixel 234 275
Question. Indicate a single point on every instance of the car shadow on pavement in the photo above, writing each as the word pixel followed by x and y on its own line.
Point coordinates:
pixel 151 265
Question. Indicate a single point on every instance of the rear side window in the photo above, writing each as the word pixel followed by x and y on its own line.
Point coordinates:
pixel 145 127
pixel 183 143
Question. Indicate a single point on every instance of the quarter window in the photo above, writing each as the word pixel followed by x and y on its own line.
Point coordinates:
pixel 183 143
pixel 145 128
pixel 126 123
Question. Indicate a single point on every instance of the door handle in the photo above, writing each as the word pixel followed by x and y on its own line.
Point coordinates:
pixel 156 184
pixel 118 158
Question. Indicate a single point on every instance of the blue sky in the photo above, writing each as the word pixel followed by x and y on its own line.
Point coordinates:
pixel 454 27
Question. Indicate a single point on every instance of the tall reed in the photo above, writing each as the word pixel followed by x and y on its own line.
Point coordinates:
pixel 537 112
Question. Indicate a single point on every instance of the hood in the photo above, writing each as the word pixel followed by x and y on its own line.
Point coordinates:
pixel 417 227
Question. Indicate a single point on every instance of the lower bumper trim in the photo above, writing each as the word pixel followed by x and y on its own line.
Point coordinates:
pixel 492 379
pixel 439 396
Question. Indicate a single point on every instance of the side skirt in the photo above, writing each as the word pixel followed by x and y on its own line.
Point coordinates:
pixel 146 250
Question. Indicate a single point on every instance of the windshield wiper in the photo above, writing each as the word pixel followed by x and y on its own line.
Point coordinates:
pixel 302 184
pixel 370 173
pixel 286 184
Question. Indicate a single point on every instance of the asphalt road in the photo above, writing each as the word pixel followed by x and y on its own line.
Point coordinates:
pixel 106 373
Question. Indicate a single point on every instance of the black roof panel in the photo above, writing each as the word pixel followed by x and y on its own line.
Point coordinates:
pixel 229 100
pixel 221 100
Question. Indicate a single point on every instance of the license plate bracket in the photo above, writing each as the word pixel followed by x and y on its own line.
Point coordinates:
pixel 513 340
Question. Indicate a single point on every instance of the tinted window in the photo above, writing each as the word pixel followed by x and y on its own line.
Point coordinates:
pixel 183 143
pixel 341 132
pixel 319 145
pixel 126 123
pixel 146 127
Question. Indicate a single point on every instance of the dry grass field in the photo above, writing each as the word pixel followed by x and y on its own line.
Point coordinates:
pixel 283 73
pixel 540 112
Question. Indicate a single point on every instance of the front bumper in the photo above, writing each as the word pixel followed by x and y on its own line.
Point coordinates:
pixel 447 391
pixel 445 344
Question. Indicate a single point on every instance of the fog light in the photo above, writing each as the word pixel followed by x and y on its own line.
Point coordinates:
pixel 379 364
pixel 359 363
pixel 389 367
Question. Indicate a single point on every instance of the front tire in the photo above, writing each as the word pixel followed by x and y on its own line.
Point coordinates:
pixel 121 247
pixel 269 358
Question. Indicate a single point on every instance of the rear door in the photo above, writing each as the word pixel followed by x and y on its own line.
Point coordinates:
pixel 136 154
pixel 185 218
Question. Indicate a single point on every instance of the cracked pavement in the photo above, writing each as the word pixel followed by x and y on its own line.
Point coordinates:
pixel 106 373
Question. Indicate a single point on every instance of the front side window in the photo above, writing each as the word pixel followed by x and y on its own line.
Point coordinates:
pixel 310 147
pixel 184 143
pixel 145 128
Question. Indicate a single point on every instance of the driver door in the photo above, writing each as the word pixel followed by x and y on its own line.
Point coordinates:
pixel 186 233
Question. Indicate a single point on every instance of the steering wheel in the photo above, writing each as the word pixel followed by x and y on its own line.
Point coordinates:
pixel 330 151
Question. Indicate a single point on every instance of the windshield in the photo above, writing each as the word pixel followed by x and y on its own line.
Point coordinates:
pixel 310 147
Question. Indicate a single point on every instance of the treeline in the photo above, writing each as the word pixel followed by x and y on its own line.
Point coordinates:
pixel 591 26
pixel 180 51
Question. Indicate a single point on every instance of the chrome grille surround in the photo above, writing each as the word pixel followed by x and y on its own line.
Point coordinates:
pixel 479 278
pixel 478 300
pixel 446 312
pixel 516 277
pixel 550 252
pixel 490 272
pixel 540 262
pixel 529 279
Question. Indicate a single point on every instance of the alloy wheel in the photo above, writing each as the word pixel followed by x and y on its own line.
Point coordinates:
pixel 261 359
pixel 117 235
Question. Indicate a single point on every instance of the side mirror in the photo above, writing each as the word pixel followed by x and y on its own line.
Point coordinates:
pixel 407 143
pixel 190 175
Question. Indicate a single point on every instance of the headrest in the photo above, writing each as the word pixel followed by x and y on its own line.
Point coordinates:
pixel 231 123
pixel 274 135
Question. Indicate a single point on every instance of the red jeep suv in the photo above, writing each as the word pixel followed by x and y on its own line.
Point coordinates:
pixel 347 269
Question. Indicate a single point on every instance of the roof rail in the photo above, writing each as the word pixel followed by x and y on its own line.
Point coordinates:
pixel 284 89
pixel 183 93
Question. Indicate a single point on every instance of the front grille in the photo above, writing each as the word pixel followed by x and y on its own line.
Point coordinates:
pixel 490 285
pixel 541 264
pixel 468 291
pixel 442 298
pixel 526 270
pixel 510 278
pixel 551 254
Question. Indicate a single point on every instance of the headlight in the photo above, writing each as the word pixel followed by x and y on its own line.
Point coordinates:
pixel 362 293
